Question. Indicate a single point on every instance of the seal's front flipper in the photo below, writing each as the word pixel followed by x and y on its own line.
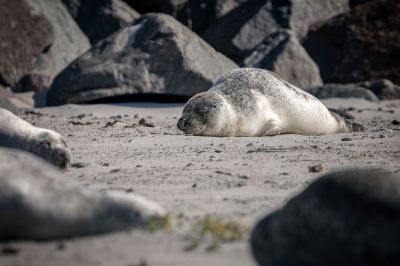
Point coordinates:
pixel 271 128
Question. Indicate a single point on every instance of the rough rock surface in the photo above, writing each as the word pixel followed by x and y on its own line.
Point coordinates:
pixel 37 203
pixel 32 82
pixel 283 54
pixel 351 214
pixel 384 89
pixel 342 91
pixel 69 40
pixel 241 30
pixel 197 15
pixel 21 43
pixel 363 44
pixel 98 19
pixel 155 55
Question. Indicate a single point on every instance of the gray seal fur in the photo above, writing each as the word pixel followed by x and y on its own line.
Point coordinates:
pixel 257 102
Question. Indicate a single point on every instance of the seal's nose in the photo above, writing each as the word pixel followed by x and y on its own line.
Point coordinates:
pixel 180 124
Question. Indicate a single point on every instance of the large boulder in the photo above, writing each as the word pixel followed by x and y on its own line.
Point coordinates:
pixel 363 44
pixel 37 36
pixel 241 30
pixel 38 203
pixel 98 19
pixel 344 218
pixel 282 53
pixel 69 40
pixel 155 55
pixel 25 33
pixel 197 15
pixel 342 91
pixel 383 88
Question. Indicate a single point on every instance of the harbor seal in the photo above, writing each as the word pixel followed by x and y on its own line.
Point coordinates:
pixel 257 102
pixel 47 144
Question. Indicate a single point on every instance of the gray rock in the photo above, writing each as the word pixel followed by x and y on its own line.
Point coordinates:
pixel 196 15
pixel 69 40
pixel 344 218
pixel 342 91
pixel 156 55
pixel 98 19
pixel 38 203
pixel 241 30
pixel 33 82
pixel 283 54
pixel 24 34
pixel 223 7
pixel 383 88
pixel 363 44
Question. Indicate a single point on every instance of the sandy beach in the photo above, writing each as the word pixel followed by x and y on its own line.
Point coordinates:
pixel 237 179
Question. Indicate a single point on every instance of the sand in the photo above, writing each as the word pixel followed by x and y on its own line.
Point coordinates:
pixel 239 179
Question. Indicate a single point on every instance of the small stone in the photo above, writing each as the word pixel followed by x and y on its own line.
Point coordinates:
pixel 217 151
pixel 79 165
pixel 395 122
pixel 241 183
pixel 115 170
pixel 316 168
pixel 60 246
pixel 244 177
pixel 346 139
pixel 9 250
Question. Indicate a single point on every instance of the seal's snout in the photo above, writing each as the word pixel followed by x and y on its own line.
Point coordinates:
pixel 180 124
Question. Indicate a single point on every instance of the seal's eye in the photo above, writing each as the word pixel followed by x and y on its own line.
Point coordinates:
pixel 201 110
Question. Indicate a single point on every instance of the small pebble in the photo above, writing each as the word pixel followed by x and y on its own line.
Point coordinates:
pixel 9 250
pixel 79 165
pixel 346 139
pixel 316 168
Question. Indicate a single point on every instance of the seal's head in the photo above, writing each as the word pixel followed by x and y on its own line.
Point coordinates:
pixel 203 114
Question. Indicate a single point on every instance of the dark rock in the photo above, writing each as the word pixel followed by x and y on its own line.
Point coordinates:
pixel 38 203
pixel 242 29
pixel 342 91
pixel 196 15
pixel 32 82
pixel 344 218
pixel 282 53
pixel 69 40
pixel 24 34
pixel 363 44
pixel 156 55
pixel 354 3
pixel 395 122
pixel 98 19
pixel 346 139
pixel 384 89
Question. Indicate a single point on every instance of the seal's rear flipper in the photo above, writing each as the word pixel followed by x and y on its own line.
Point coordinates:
pixel 347 126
